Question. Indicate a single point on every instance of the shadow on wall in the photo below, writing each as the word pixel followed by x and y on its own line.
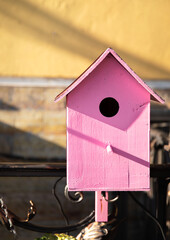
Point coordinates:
pixel 15 142
pixel 8 107
pixel 29 21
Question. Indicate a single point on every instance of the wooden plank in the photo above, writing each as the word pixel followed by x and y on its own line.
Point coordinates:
pixel 138 143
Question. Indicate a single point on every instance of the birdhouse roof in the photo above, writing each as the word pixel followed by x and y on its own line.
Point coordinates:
pixel 154 96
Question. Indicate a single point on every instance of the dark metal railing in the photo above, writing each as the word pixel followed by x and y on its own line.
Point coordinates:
pixel 59 170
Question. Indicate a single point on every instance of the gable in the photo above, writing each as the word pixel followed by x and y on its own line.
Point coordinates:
pixel 109 80
pixel 84 75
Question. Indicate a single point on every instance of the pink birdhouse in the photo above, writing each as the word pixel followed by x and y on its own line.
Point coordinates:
pixel 108 130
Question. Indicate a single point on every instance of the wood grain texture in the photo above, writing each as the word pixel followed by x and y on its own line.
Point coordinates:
pixel 91 167
pixel 101 207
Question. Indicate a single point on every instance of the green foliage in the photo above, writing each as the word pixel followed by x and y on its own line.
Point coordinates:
pixel 61 236
pixel 47 237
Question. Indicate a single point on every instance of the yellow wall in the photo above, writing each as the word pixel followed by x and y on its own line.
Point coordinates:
pixel 60 38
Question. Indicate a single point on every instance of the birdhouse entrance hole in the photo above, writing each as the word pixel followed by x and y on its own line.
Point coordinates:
pixel 109 107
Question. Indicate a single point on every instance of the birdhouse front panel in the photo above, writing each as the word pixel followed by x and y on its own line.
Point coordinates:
pixel 108 116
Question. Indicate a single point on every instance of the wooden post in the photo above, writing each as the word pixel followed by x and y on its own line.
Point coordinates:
pixel 101 207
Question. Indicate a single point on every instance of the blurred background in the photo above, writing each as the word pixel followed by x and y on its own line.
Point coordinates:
pixel 44 46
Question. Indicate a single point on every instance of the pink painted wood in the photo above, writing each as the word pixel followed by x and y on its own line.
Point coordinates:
pixel 91 167
pixel 83 76
pixel 101 207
